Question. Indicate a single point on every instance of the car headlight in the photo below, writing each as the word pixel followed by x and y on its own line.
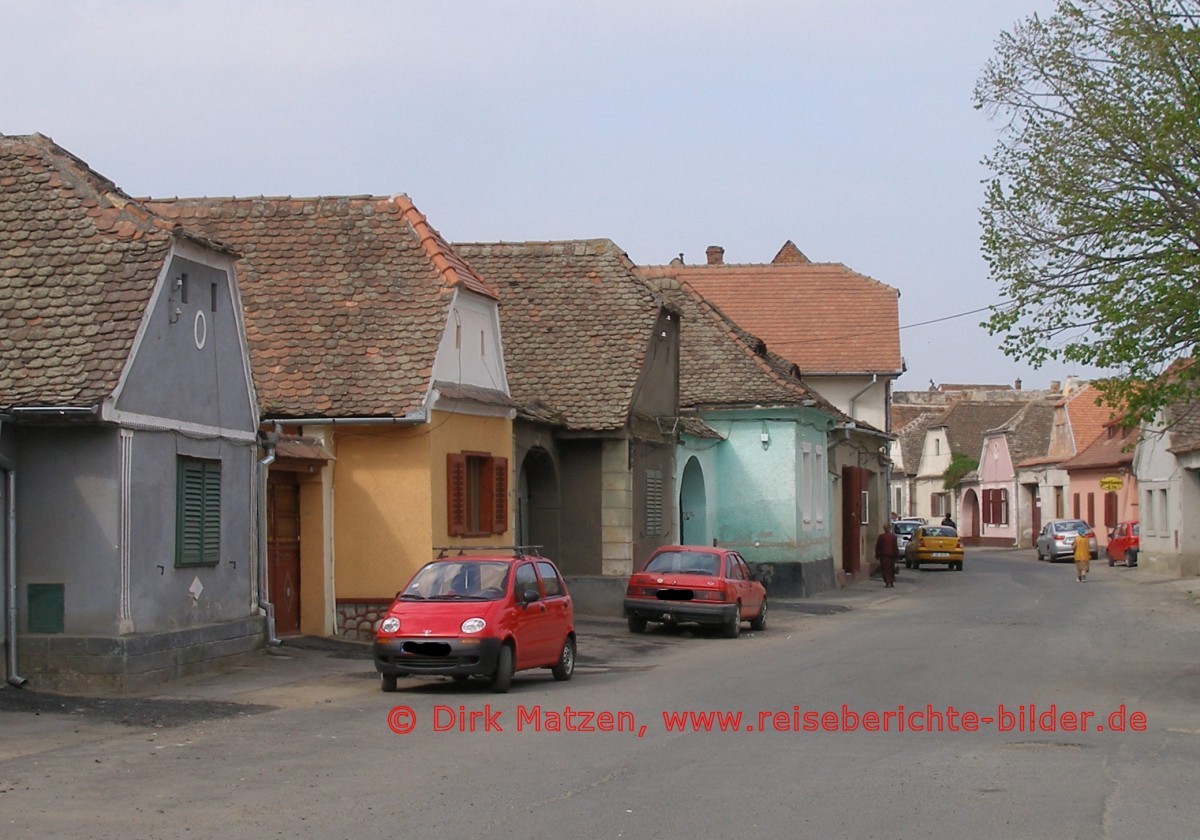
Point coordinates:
pixel 390 624
pixel 473 625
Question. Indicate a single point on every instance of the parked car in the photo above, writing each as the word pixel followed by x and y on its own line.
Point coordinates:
pixel 934 544
pixel 1124 542
pixel 903 529
pixel 1056 540
pixel 479 615
pixel 696 585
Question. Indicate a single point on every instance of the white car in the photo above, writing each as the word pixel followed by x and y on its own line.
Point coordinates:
pixel 903 529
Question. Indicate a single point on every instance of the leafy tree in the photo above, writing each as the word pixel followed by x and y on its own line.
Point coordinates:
pixel 1091 221
pixel 959 466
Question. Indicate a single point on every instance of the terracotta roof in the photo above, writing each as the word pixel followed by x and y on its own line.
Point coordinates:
pixel 79 261
pixel 576 322
pixel 346 298
pixel 721 364
pixel 1113 448
pixel 1088 418
pixel 1185 428
pixel 822 316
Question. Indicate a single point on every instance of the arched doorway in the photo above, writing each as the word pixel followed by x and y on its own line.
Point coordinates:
pixel 969 515
pixel 693 505
pixel 538 504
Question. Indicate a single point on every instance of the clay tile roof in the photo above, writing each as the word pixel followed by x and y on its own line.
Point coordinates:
pixel 1029 431
pixel 1088 417
pixel 968 421
pixel 577 323
pixel 346 298
pixel 721 364
pixel 79 261
pixel 822 316
pixel 1113 448
pixel 909 424
pixel 1185 428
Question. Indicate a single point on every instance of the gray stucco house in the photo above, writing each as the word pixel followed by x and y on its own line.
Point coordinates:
pixel 127 435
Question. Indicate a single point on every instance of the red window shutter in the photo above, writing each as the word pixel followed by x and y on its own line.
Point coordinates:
pixel 456 494
pixel 1110 509
pixel 499 495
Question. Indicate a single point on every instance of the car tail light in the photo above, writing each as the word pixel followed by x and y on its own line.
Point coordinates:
pixel 1059 537
pixel 634 591
pixel 708 594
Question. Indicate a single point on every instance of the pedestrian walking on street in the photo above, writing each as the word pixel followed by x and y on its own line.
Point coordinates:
pixel 885 553
pixel 1083 557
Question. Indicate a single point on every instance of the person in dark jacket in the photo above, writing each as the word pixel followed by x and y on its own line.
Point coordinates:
pixel 949 522
pixel 886 552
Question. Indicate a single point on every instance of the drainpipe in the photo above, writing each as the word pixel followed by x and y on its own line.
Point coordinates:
pixel 854 399
pixel 10 572
pixel 264 600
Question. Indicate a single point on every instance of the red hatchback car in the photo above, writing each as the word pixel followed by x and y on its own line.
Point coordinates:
pixel 698 585
pixel 1124 542
pixel 479 615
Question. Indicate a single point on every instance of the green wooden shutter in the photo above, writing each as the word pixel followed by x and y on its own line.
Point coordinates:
pixel 198 513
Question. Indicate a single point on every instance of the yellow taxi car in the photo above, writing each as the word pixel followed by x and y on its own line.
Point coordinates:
pixel 934 544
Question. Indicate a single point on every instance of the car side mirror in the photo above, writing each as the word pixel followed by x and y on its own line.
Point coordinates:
pixel 529 596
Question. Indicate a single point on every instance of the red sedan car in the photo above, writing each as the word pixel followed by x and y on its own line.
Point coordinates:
pixel 479 615
pixel 696 585
pixel 1124 541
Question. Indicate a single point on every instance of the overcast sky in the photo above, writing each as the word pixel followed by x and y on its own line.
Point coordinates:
pixel 846 126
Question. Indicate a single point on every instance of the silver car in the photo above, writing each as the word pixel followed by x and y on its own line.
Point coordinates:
pixel 903 529
pixel 1056 540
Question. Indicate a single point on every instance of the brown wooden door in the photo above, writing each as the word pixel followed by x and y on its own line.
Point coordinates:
pixel 283 551
pixel 854 486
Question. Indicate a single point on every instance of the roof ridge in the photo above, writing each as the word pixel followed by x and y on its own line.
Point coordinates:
pixel 453 268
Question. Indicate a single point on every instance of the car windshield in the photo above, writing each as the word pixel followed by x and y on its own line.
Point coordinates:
pixel 905 528
pixel 939 531
pixel 445 580
pixel 694 562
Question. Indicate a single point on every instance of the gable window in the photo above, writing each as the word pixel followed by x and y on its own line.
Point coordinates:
pixel 477 494
pixel 197 512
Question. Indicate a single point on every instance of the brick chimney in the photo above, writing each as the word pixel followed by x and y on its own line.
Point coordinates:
pixel 715 254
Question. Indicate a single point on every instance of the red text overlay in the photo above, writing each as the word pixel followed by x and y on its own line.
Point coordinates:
pixel 1027 718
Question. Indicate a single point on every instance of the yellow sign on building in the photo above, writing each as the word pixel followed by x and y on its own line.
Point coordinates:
pixel 1110 483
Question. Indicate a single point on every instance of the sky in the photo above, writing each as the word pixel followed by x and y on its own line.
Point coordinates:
pixel 846 126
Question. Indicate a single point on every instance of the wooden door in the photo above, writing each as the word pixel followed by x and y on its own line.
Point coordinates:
pixel 854 488
pixel 283 551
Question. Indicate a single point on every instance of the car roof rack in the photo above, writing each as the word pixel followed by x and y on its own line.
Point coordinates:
pixel 461 550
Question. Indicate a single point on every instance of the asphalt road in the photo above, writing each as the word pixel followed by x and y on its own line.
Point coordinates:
pixel 300 744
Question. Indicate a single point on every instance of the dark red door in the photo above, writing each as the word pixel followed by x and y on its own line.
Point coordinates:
pixel 283 551
pixel 854 488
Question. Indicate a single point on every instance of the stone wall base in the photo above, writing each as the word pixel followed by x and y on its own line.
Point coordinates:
pixel 129 664
pixel 358 620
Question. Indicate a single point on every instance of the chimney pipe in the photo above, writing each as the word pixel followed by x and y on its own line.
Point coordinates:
pixel 1017 385
pixel 715 254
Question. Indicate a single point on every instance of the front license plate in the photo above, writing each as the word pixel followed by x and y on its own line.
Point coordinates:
pixel 940 554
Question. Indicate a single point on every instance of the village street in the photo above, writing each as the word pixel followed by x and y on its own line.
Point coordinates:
pixel 308 751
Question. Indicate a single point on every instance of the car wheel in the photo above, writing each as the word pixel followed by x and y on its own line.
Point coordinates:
pixel 637 625
pixel 759 622
pixel 1130 558
pixel 387 682
pixel 958 567
pixel 1112 561
pixel 907 563
pixel 461 678
pixel 502 678
pixel 731 628
pixel 916 565
pixel 1039 554
pixel 566 661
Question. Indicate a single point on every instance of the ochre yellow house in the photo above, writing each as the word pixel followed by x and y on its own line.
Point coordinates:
pixel 387 418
